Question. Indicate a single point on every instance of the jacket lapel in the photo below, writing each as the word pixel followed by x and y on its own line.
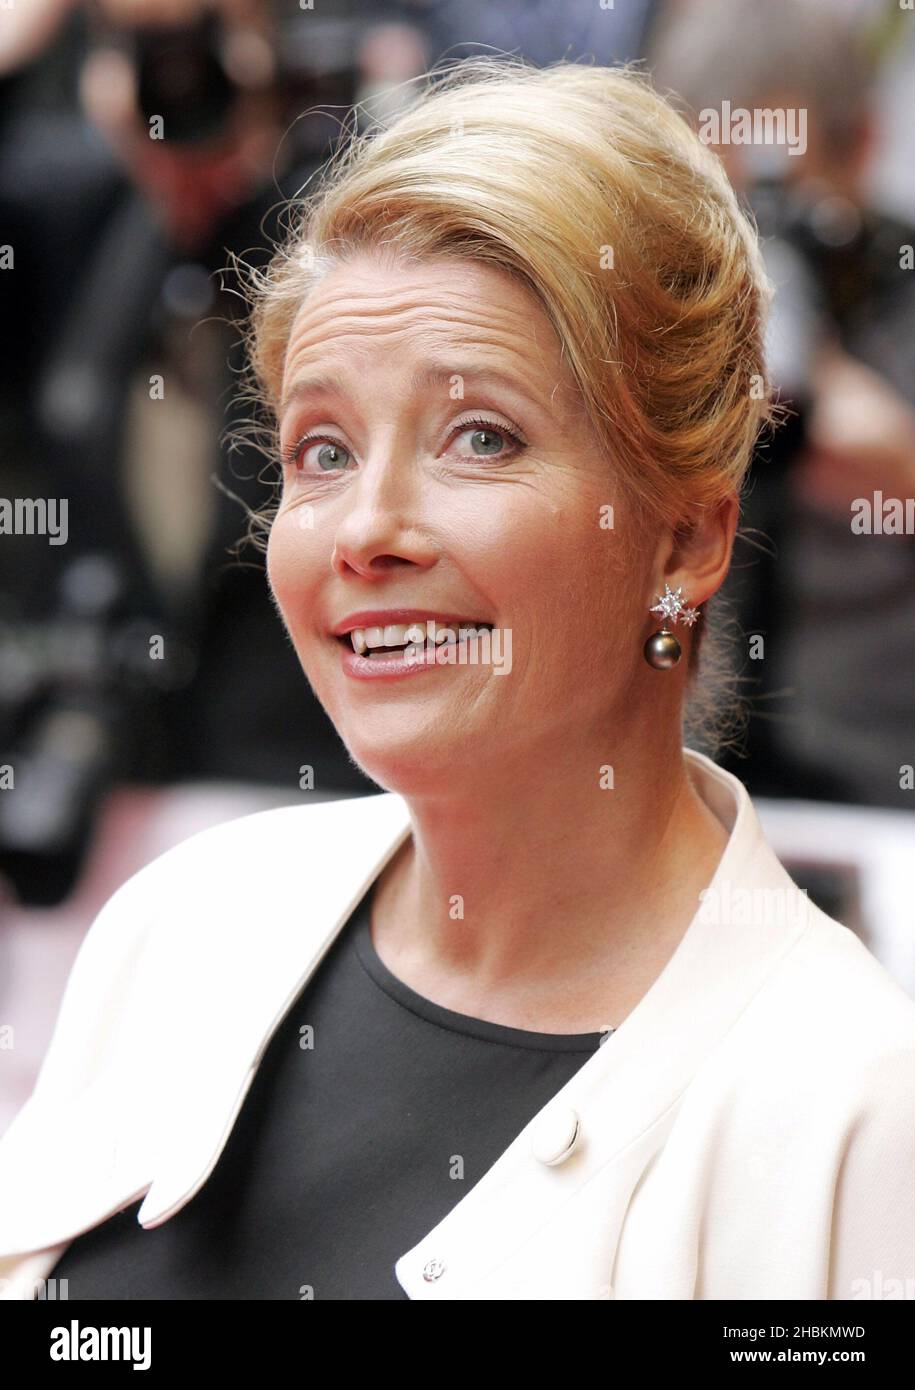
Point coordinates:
pixel 233 956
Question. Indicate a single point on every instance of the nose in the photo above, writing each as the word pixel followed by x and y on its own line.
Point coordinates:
pixel 379 528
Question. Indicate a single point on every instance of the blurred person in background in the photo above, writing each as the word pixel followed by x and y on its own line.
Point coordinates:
pixel 540 31
pixel 834 690
pixel 149 143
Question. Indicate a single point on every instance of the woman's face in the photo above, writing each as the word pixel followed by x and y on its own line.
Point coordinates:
pixel 410 493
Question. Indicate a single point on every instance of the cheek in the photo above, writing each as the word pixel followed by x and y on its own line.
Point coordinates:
pixel 567 587
pixel 292 566
pixel 556 560
pixel 278 565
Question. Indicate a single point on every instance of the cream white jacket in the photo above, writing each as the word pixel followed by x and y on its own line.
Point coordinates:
pixel 747 1132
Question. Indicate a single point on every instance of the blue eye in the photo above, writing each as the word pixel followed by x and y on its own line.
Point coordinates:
pixel 329 455
pixel 492 441
pixel 328 459
pixel 494 433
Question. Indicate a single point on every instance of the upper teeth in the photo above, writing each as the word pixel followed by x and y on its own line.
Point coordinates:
pixel 399 634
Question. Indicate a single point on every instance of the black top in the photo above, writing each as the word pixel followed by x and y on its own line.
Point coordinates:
pixel 357 1136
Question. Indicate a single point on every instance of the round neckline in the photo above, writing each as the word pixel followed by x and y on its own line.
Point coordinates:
pixel 479 1028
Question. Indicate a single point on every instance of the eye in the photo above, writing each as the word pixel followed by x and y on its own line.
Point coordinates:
pixel 488 437
pixel 331 457
pixel 328 455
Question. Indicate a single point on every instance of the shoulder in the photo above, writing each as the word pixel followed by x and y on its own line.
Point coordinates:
pixel 227 847
pixel 209 866
pixel 247 850
pixel 825 1048
pixel 189 915
pixel 838 986
pixel 810 1098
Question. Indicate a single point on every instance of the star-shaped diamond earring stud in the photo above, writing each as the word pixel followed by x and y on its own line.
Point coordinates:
pixel 670 604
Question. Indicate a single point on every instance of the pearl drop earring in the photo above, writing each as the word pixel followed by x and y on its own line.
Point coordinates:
pixel 662 650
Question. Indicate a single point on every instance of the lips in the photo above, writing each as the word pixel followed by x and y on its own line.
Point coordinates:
pixel 419 647
pixel 395 665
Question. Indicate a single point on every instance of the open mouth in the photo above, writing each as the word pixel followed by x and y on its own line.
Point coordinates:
pixel 413 640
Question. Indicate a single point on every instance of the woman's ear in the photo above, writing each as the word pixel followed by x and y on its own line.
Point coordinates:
pixel 699 553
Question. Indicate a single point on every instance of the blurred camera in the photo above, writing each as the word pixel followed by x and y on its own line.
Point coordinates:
pixel 181 78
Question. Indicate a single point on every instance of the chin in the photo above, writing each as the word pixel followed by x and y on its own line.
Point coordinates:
pixel 409 764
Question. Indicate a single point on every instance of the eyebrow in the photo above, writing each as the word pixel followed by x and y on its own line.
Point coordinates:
pixel 431 375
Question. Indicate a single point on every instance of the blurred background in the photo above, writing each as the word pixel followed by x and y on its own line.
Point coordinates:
pixel 142 142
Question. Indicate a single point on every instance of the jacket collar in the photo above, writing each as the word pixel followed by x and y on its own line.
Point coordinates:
pixel 231 958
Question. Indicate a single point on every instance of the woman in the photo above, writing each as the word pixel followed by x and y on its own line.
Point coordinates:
pixel 548 1019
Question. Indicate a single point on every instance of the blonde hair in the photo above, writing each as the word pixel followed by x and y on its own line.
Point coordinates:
pixel 591 188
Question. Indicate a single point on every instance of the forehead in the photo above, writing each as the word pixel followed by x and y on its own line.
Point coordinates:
pixel 375 314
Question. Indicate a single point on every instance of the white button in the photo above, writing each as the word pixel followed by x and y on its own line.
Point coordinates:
pixel 556 1135
pixel 433 1269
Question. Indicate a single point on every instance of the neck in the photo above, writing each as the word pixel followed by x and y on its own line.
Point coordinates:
pixel 527 890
